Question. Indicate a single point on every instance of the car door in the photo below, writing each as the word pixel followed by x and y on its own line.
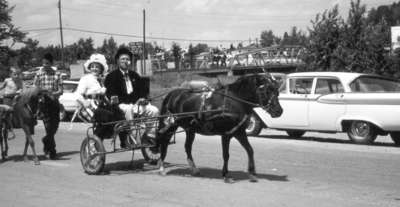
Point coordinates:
pixel 294 101
pixel 326 104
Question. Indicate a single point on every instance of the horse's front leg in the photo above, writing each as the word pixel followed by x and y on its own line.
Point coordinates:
pixel 5 138
pixel 163 141
pixel 188 148
pixel 163 154
pixel 225 154
pixel 2 147
pixel 244 141
pixel 29 141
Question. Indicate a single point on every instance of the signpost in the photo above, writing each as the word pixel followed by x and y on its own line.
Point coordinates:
pixel 395 31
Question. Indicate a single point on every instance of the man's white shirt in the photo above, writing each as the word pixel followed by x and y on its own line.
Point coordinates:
pixel 128 83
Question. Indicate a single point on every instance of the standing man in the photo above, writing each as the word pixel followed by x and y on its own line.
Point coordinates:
pixel 47 78
pixel 131 91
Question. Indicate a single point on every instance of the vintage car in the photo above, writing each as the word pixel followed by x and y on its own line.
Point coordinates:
pixel 363 105
pixel 68 99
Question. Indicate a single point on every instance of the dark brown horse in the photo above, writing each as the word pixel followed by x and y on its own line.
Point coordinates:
pixel 25 115
pixel 224 112
pixel 5 116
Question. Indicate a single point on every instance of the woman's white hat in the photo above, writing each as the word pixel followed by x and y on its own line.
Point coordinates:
pixel 96 58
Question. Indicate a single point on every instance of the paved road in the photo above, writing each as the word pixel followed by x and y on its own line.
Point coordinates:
pixel 317 170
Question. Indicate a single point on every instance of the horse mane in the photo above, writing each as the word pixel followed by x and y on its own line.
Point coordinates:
pixel 244 86
pixel 27 94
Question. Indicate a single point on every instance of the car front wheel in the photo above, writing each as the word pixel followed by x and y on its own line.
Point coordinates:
pixel 361 132
pixel 396 138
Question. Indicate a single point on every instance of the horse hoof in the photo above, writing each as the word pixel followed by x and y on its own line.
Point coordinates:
pixel 36 161
pixel 196 172
pixel 253 178
pixel 163 173
pixel 228 180
pixel 26 159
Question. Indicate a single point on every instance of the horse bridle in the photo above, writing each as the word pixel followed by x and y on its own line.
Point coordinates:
pixel 262 92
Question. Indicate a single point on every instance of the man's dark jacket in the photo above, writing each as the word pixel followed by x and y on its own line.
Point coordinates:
pixel 115 86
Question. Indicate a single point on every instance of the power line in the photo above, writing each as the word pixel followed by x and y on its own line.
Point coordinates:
pixel 130 35
pixel 149 37
pixel 40 29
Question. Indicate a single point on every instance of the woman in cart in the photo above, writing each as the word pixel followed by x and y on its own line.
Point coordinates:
pixel 90 85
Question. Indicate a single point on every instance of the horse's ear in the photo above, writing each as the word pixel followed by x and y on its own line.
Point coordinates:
pixel 219 83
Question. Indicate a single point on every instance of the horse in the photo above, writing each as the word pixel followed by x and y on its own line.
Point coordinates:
pixel 26 108
pixel 5 116
pixel 224 111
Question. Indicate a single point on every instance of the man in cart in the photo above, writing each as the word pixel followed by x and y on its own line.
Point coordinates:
pixel 125 87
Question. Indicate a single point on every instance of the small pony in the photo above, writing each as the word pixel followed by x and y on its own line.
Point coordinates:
pixel 5 118
pixel 224 111
pixel 26 108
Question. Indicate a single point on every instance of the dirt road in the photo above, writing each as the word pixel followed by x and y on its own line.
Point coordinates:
pixel 318 170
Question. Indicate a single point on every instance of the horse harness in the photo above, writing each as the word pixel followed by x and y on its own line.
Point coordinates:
pixel 207 92
pixel 204 108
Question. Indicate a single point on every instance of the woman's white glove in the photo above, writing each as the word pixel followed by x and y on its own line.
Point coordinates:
pixel 102 90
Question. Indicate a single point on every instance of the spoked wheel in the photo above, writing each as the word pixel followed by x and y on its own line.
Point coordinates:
pixel 150 156
pixel 92 157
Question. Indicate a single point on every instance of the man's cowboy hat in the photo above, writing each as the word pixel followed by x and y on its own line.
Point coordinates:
pixel 121 51
pixel 96 58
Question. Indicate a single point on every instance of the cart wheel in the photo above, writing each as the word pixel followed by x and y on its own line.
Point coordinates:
pixel 92 162
pixel 150 156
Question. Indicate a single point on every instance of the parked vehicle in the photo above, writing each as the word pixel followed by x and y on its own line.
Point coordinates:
pixel 68 99
pixel 363 105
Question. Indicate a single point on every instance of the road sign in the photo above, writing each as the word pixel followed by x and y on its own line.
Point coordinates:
pixel 136 47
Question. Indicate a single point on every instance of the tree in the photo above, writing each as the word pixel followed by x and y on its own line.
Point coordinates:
pixel 27 55
pixel 324 41
pixel 191 54
pixel 176 52
pixel 108 49
pixel 199 48
pixel 84 48
pixel 268 38
pixel 296 37
pixel 8 33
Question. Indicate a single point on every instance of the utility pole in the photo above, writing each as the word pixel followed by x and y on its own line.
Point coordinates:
pixel 144 44
pixel 61 33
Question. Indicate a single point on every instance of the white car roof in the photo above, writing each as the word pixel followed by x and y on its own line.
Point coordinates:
pixel 71 81
pixel 345 77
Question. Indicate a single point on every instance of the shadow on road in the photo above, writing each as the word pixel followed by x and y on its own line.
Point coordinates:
pixel 127 167
pixel 20 158
pixel 141 166
pixel 318 139
pixel 216 174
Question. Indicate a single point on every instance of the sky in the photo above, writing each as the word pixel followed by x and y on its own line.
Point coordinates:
pixel 214 22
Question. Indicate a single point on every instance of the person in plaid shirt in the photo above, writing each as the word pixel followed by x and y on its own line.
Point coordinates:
pixel 49 79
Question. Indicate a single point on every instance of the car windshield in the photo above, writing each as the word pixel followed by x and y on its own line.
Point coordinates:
pixel 365 84
pixel 69 87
